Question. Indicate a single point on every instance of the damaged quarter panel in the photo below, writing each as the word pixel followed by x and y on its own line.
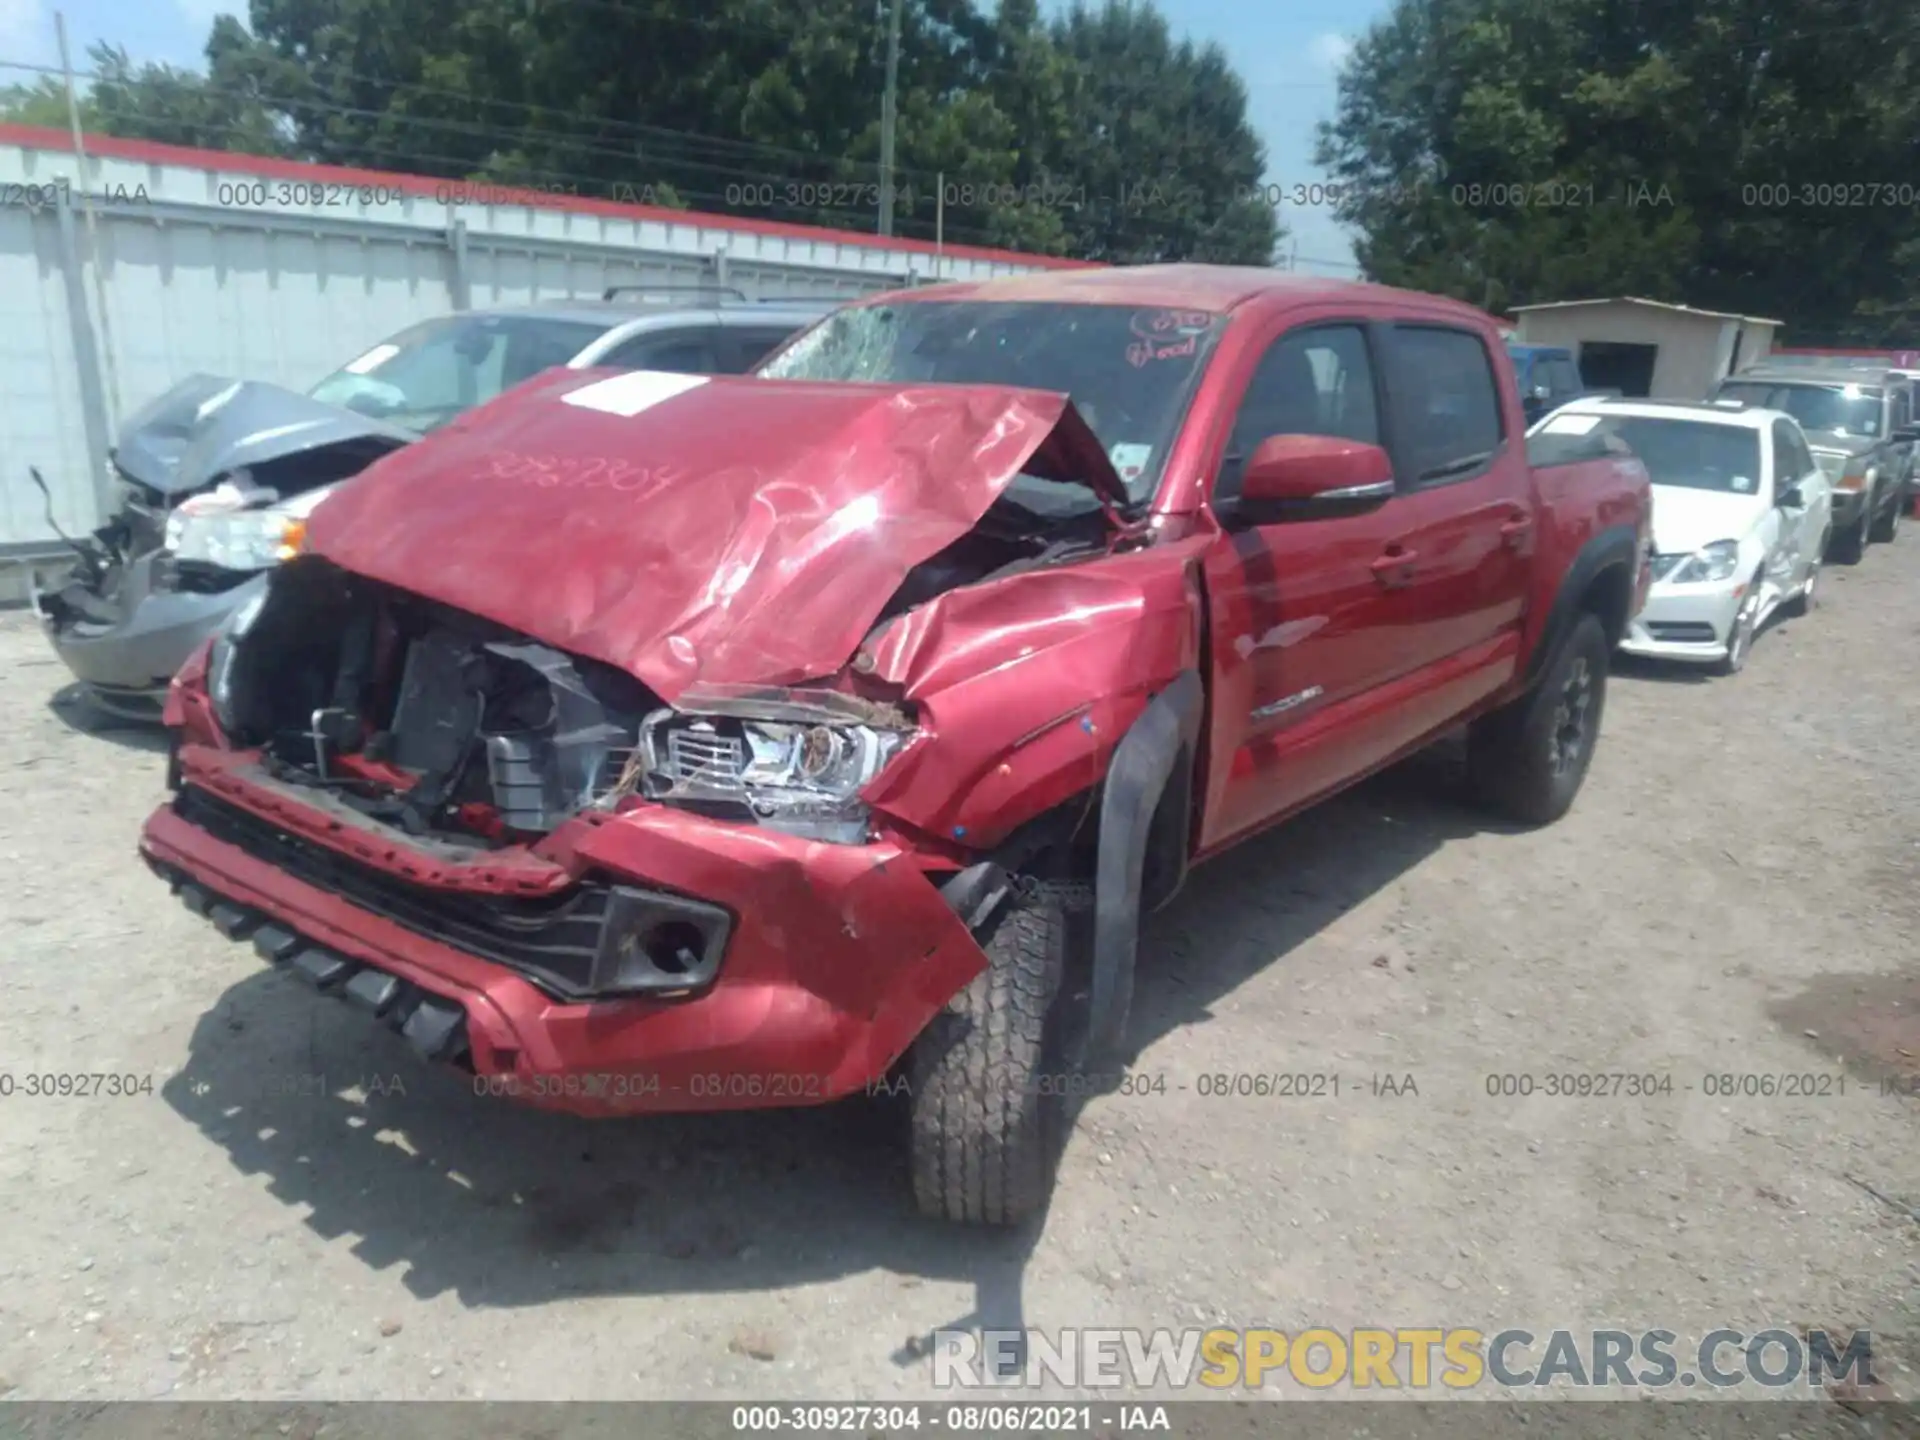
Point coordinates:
pixel 692 530
pixel 1026 684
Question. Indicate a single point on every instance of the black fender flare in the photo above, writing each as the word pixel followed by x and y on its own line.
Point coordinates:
pixel 1615 545
pixel 1145 763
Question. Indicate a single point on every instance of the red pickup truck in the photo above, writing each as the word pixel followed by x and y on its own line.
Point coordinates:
pixel 656 742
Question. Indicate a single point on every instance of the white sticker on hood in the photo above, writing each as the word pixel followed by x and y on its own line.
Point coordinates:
pixel 633 392
pixel 377 356
pixel 1570 425
pixel 1129 461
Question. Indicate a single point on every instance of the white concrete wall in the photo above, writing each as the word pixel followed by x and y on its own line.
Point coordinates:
pixel 269 271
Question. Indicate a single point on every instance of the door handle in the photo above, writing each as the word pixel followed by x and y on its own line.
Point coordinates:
pixel 1394 567
pixel 1514 532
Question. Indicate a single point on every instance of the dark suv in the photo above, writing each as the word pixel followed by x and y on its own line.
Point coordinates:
pixel 1860 426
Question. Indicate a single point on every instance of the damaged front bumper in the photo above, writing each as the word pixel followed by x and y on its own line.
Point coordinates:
pixel 818 966
pixel 124 640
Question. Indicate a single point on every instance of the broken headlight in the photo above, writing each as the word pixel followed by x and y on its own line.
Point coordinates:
pixel 803 777
pixel 230 529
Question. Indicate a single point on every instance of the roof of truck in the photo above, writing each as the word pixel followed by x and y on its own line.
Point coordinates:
pixel 1198 287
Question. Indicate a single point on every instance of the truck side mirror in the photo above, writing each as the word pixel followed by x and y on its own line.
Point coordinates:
pixel 1309 477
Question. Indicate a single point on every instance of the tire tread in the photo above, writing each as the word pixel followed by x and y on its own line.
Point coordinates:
pixel 982 1140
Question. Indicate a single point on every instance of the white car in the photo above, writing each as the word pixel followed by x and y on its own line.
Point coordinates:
pixel 1741 518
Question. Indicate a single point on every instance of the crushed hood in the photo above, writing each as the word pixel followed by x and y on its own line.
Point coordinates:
pixel 205 427
pixel 721 530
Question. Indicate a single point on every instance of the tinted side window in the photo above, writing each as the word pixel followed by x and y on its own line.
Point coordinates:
pixel 1446 403
pixel 685 352
pixel 1317 381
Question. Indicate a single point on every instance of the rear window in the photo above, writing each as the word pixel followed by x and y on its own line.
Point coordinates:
pixel 1837 409
pixel 1692 454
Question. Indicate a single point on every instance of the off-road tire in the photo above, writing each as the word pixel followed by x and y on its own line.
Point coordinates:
pixel 1511 752
pixel 1850 544
pixel 1886 525
pixel 986 1117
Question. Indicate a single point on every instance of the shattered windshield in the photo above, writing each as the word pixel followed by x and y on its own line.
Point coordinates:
pixel 431 372
pixel 1129 371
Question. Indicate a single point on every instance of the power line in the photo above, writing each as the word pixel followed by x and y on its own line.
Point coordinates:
pixel 1131 221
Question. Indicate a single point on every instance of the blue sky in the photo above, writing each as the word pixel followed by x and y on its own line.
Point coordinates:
pixel 1287 51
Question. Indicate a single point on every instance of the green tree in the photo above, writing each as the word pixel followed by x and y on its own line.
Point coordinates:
pixel 43 102
pixel 1095 134
pixel 223 109
pixel 1157 135
pixel 1509 151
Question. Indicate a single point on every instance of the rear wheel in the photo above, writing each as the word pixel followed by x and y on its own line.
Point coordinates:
pixel 1888 525
pixel 987 1118
pixel 1528 759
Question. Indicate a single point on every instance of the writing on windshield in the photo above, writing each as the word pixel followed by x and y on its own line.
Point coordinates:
pixel 1129 371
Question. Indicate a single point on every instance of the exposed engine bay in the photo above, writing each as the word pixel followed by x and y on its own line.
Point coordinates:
pixel 441 722
pixel 418 715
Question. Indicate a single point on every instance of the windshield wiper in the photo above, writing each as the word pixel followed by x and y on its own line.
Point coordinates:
pixel 1455 467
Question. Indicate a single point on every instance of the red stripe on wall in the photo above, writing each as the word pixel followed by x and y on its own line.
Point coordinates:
pixel 150 152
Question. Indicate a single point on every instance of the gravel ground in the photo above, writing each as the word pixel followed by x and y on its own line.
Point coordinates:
pixel 297 1212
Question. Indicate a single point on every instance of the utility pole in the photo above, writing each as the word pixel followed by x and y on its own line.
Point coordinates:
pixel 93 231
pixel 889 103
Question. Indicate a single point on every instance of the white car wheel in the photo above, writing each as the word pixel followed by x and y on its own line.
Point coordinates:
pixel 1740 641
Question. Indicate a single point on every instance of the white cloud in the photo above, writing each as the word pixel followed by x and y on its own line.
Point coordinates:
pixel 1330 51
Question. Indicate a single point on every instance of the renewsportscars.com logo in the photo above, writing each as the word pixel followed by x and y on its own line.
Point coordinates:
pixel 1413 1358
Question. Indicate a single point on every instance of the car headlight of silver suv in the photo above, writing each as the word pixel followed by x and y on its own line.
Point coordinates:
pixel 1708 564
pixel 803 777
pixel 242 534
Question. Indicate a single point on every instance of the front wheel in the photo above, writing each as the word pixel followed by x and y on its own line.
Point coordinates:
pixel 986 1116
pixel 1850 545
pixel 1887 527
pixel 1527 759
pixel 1740 639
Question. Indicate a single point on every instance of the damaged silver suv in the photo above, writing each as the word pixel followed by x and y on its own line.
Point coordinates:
pixel 217 477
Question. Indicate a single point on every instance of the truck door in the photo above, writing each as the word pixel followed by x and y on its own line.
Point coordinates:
pixel 1464 518
pixel 1294 605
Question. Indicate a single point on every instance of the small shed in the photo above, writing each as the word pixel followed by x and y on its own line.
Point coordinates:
pixel 1647 348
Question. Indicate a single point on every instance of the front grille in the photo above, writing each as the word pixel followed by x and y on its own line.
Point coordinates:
pixel 701 757
pixel 1682 632
pixel 552 941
